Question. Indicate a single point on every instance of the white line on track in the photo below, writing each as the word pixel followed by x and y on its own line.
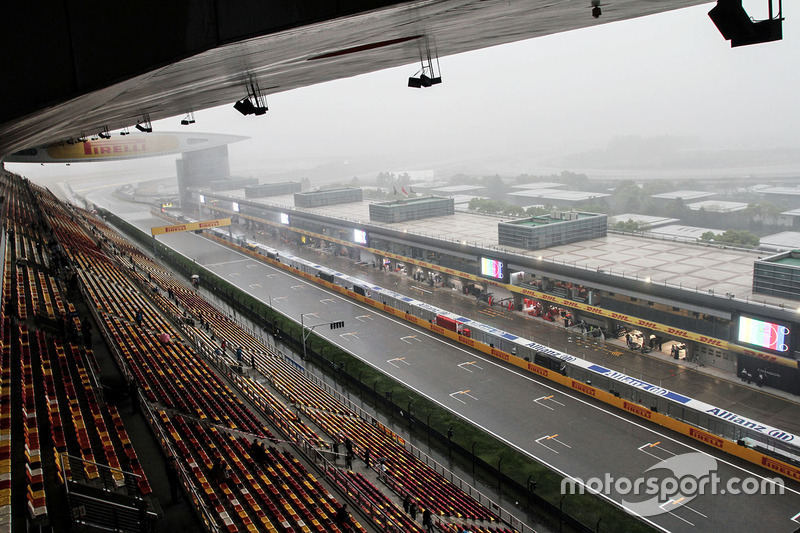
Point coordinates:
pixel 399 360
pixel 551 438
pixel 225 263
pixel 463 366
pixel 540 401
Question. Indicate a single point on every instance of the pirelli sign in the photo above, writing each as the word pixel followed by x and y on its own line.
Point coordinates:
pixel 193 226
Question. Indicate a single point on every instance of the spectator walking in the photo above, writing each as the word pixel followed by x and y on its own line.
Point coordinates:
pixel 342 516
pixel 427 519
pixel 139 317
pixel 348 445
pixel 133 392
pixel 86 329
pixel 407 503
pixel 172 479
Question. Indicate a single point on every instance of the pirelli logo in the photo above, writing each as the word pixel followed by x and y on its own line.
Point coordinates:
pixel 586 389
pixel 110 147
pixel 782 469
pixel 204 224
pixel 702 436
pixel 638 410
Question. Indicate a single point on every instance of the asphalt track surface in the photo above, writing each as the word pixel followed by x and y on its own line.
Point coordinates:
pixel 578 437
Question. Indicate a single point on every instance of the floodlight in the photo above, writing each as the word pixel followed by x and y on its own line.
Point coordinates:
pixel 244 106
pixel 736 26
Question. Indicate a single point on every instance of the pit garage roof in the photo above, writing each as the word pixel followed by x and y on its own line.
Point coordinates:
pixel 676 262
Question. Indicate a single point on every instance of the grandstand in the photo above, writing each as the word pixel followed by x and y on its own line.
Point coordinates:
pixel 249 437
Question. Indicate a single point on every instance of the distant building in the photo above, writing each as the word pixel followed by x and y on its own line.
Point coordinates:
pixel 552 230
pixel 684 196
pixel 788 196
pixel 411 209
pixel 790 218
pixel 643 220
pixel 272 189
pixel 778 275
pixel 199 168
pixel 416 175
pixel 538 185
pixel 231 184
pixel 679 232
pixel 462 200
pixel 343 195
pixel 554 197
pixel 717 206
pixel 785 240
pixel 459 189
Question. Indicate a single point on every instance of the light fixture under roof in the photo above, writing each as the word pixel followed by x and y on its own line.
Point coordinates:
pixel 736 26
pixel 429 73
pixel 144 125
pixel 255 103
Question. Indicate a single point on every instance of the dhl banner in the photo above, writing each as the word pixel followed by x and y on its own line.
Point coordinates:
pixel 562 302
pixel 193 226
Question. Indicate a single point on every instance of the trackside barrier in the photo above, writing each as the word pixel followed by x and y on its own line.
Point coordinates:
pixel 767 446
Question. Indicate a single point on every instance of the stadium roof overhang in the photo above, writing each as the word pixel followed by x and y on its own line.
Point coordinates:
pixel 83 67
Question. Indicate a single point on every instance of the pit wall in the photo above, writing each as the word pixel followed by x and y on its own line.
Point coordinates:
pixel 561 302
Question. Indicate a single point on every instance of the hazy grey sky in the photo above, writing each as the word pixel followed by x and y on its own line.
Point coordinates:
pixel 668 74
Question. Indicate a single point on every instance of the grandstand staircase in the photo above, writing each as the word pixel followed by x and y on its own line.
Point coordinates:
pixel 104 505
